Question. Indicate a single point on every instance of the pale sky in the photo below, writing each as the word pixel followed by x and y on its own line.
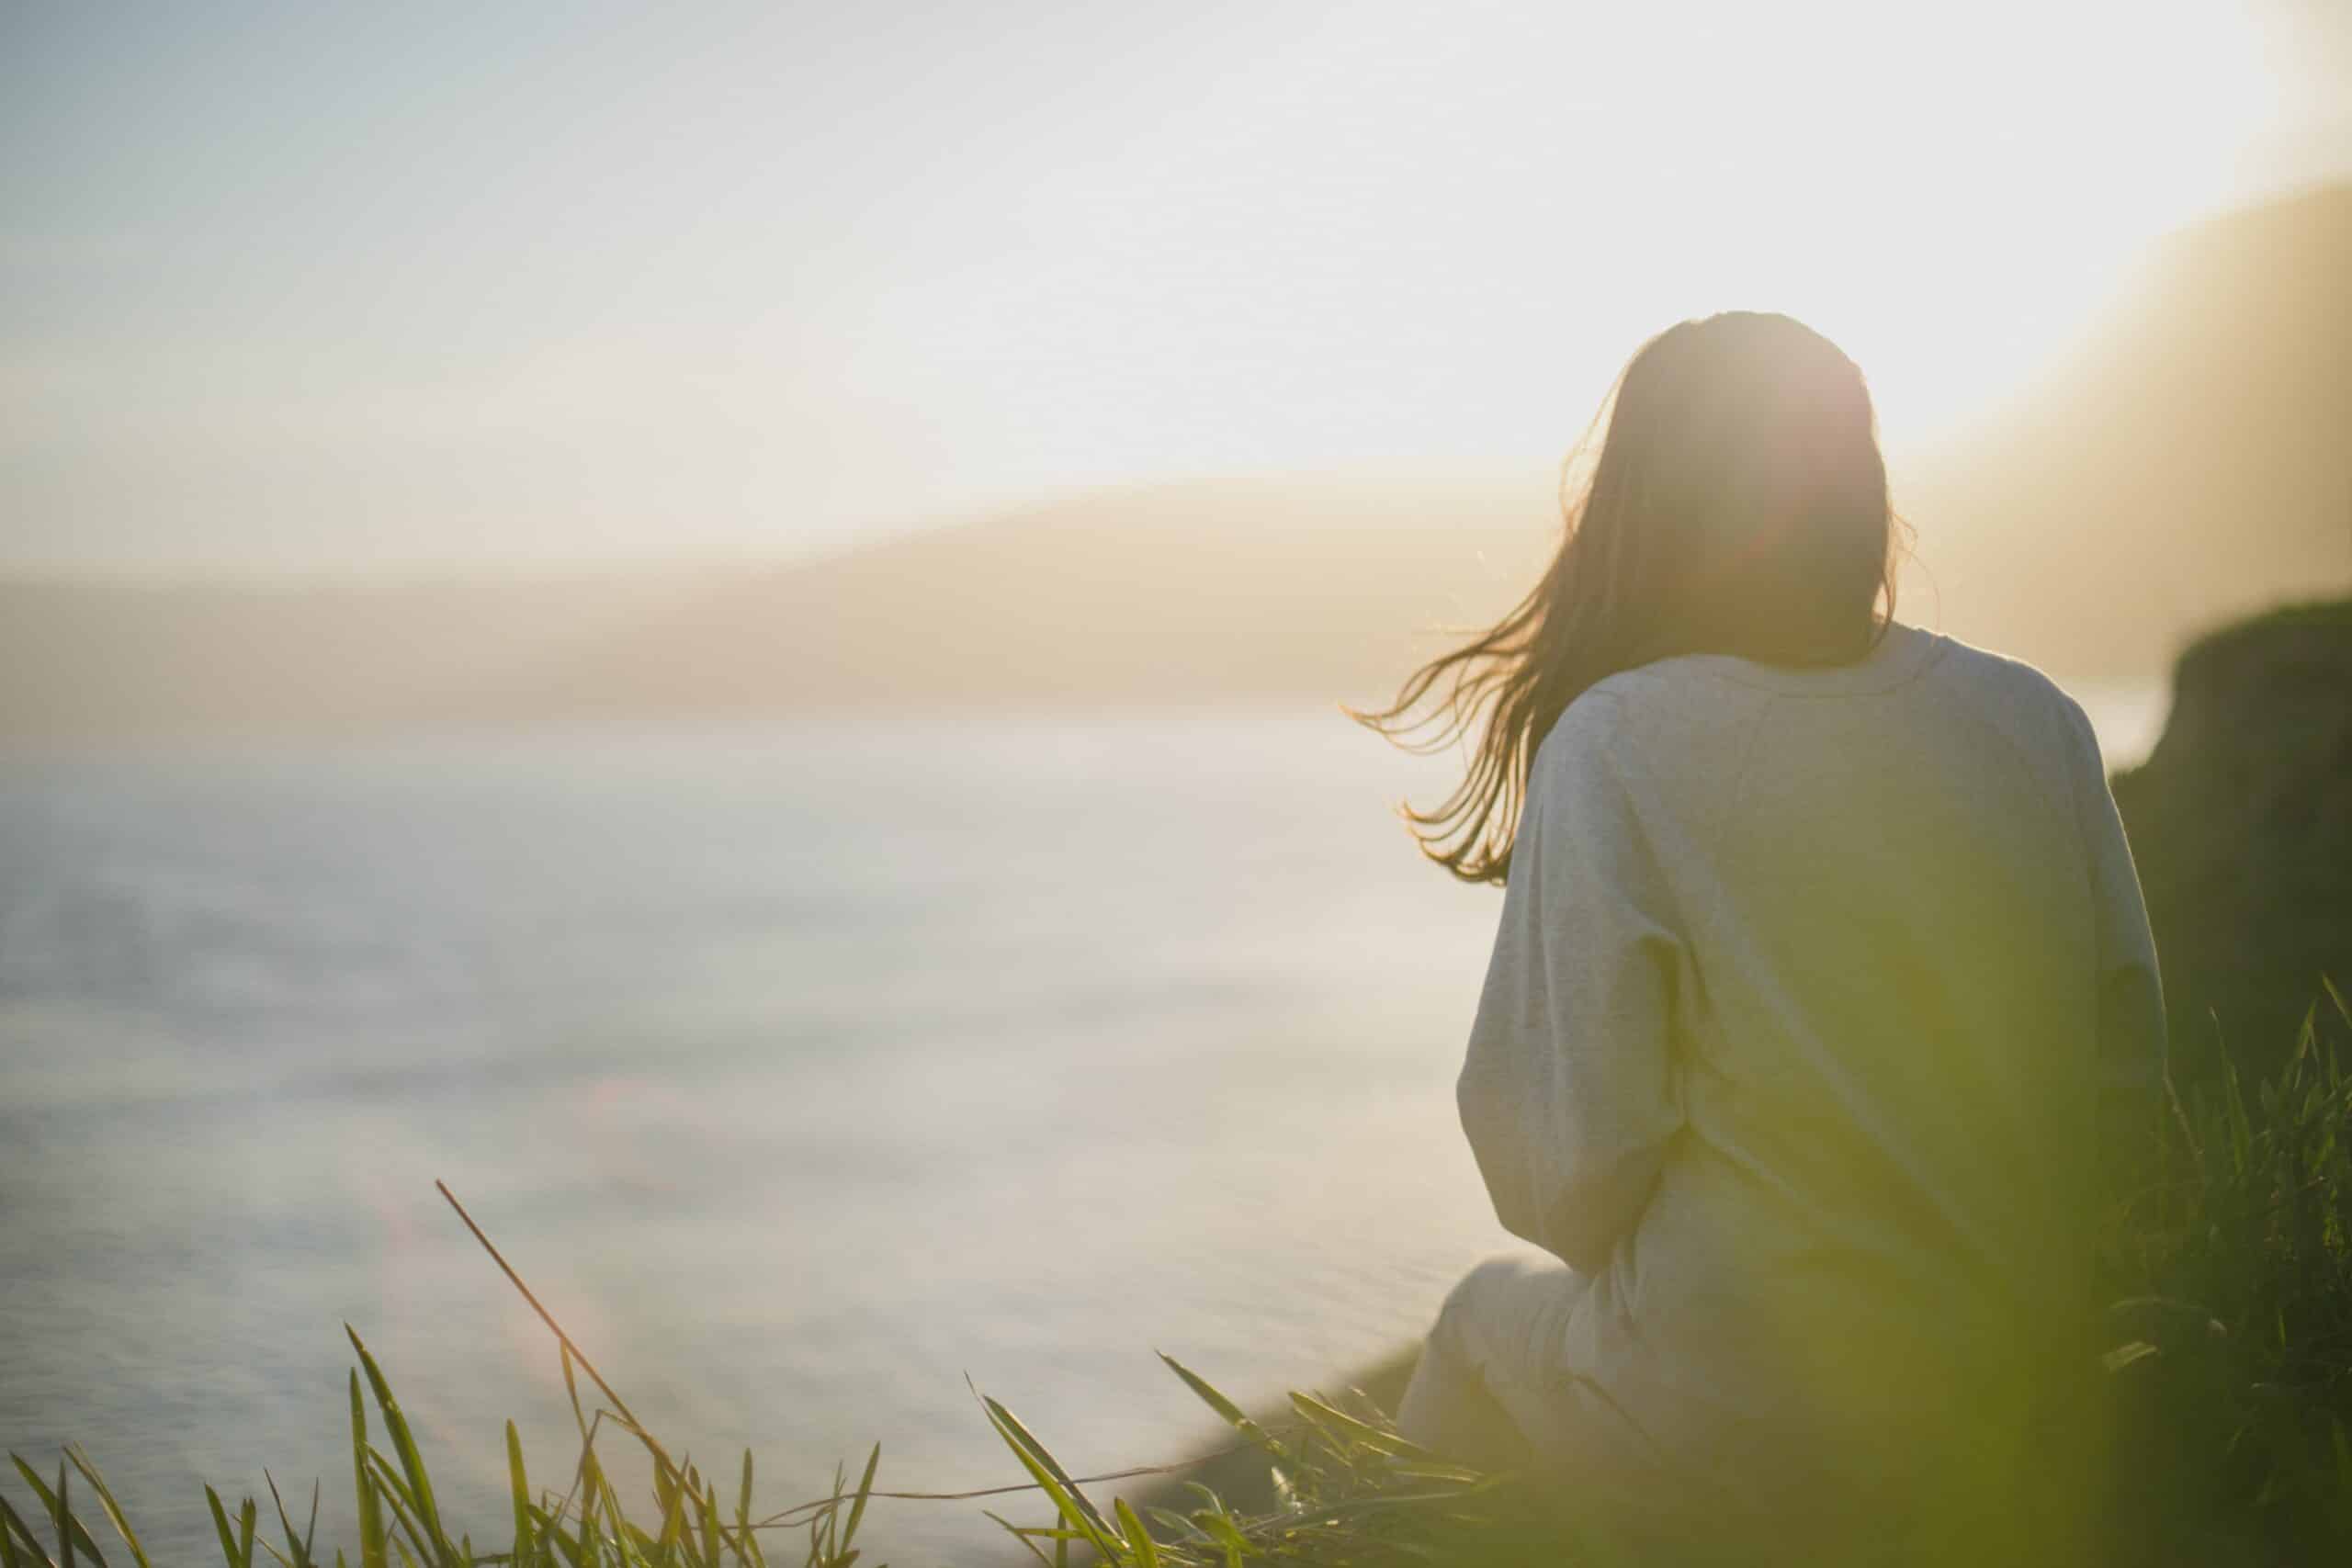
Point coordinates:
pixel 314 286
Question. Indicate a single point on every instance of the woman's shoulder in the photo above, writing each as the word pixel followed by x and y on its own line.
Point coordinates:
pixel 1657 720
pixel 2014 690
pixel 1590 729
pixel 1670 714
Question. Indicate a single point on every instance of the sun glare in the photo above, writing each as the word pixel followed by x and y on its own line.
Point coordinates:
pixel 1951 194
pixel 1962 201
pixel 1031 258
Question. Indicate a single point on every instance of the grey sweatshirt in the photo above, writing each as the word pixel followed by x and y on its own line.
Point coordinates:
pixel 1806 988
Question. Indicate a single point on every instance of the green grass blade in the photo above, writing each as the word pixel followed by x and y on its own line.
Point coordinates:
pixel 673 1515
pixel 61 1518
pixel 1226 1408
pixel 591 1487
pixel 747 1540
pixel 297 1553
pixel 551 1529
pixel 388 1477
pixel 519 1485
pixel 1363 1432
pixel 667 1472
pixel 636 1547
pixel 395 1493
pixel 419 1485
pixel 310 1525
pixel 2343 1008
pixel 13 1528
pixel 1144 1549
pixel 1437 1469
pixel 865 1490
pixel 706 1512
pixel 829 1522
pixel 229 1552
pixel 627 1539
pixel 1017 1533
pixel 371 1506
pixel 571 1389
pixel 1176 1524
pixel 66 1523
pixel 1048 1472
pixel 1218 1525
pixel 105 1501
pixel 744 1546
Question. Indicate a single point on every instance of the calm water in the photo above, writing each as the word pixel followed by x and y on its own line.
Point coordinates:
pixel 803 1069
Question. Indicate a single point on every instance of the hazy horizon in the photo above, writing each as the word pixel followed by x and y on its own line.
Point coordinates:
pixel 323 290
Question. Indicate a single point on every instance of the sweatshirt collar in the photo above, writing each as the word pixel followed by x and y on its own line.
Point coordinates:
pixel 1900 656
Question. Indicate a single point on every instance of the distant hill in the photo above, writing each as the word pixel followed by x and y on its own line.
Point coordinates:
pixel 1205 591
pixel 83 660
pixel 2189 460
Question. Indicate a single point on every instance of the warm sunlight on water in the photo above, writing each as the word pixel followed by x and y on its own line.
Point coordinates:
pixel 804 1069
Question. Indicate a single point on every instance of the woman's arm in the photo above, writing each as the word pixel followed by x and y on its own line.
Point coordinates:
pixel 1567 1095
pixel 2130 1044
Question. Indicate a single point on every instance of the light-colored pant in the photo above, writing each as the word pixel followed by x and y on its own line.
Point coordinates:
pixel 1492 1390
pixel 1472 1396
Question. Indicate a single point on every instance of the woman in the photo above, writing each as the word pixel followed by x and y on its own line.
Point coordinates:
pixel 1819 945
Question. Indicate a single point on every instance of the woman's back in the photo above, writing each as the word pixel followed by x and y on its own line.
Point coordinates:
pixel 1791 1038
pixel 1819 944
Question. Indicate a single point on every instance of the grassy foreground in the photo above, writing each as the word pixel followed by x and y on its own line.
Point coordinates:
pixel 2220 1400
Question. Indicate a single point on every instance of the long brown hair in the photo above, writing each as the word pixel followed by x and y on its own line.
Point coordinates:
pixel 1739 505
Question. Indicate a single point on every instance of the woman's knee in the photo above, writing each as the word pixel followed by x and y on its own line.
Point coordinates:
pixel 1493 1275
pixel 1459 1402
pixel 1482 1296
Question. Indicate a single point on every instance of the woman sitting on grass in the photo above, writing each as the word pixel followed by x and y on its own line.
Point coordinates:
pixel 1820 945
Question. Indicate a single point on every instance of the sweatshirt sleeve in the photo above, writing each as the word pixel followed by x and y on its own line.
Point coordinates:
pixel 2130 1045
pixel 1567 1095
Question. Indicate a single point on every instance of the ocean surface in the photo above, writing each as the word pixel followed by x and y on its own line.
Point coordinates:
pixel 804 1069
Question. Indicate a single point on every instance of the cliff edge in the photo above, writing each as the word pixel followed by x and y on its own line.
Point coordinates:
pixel 2240 823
